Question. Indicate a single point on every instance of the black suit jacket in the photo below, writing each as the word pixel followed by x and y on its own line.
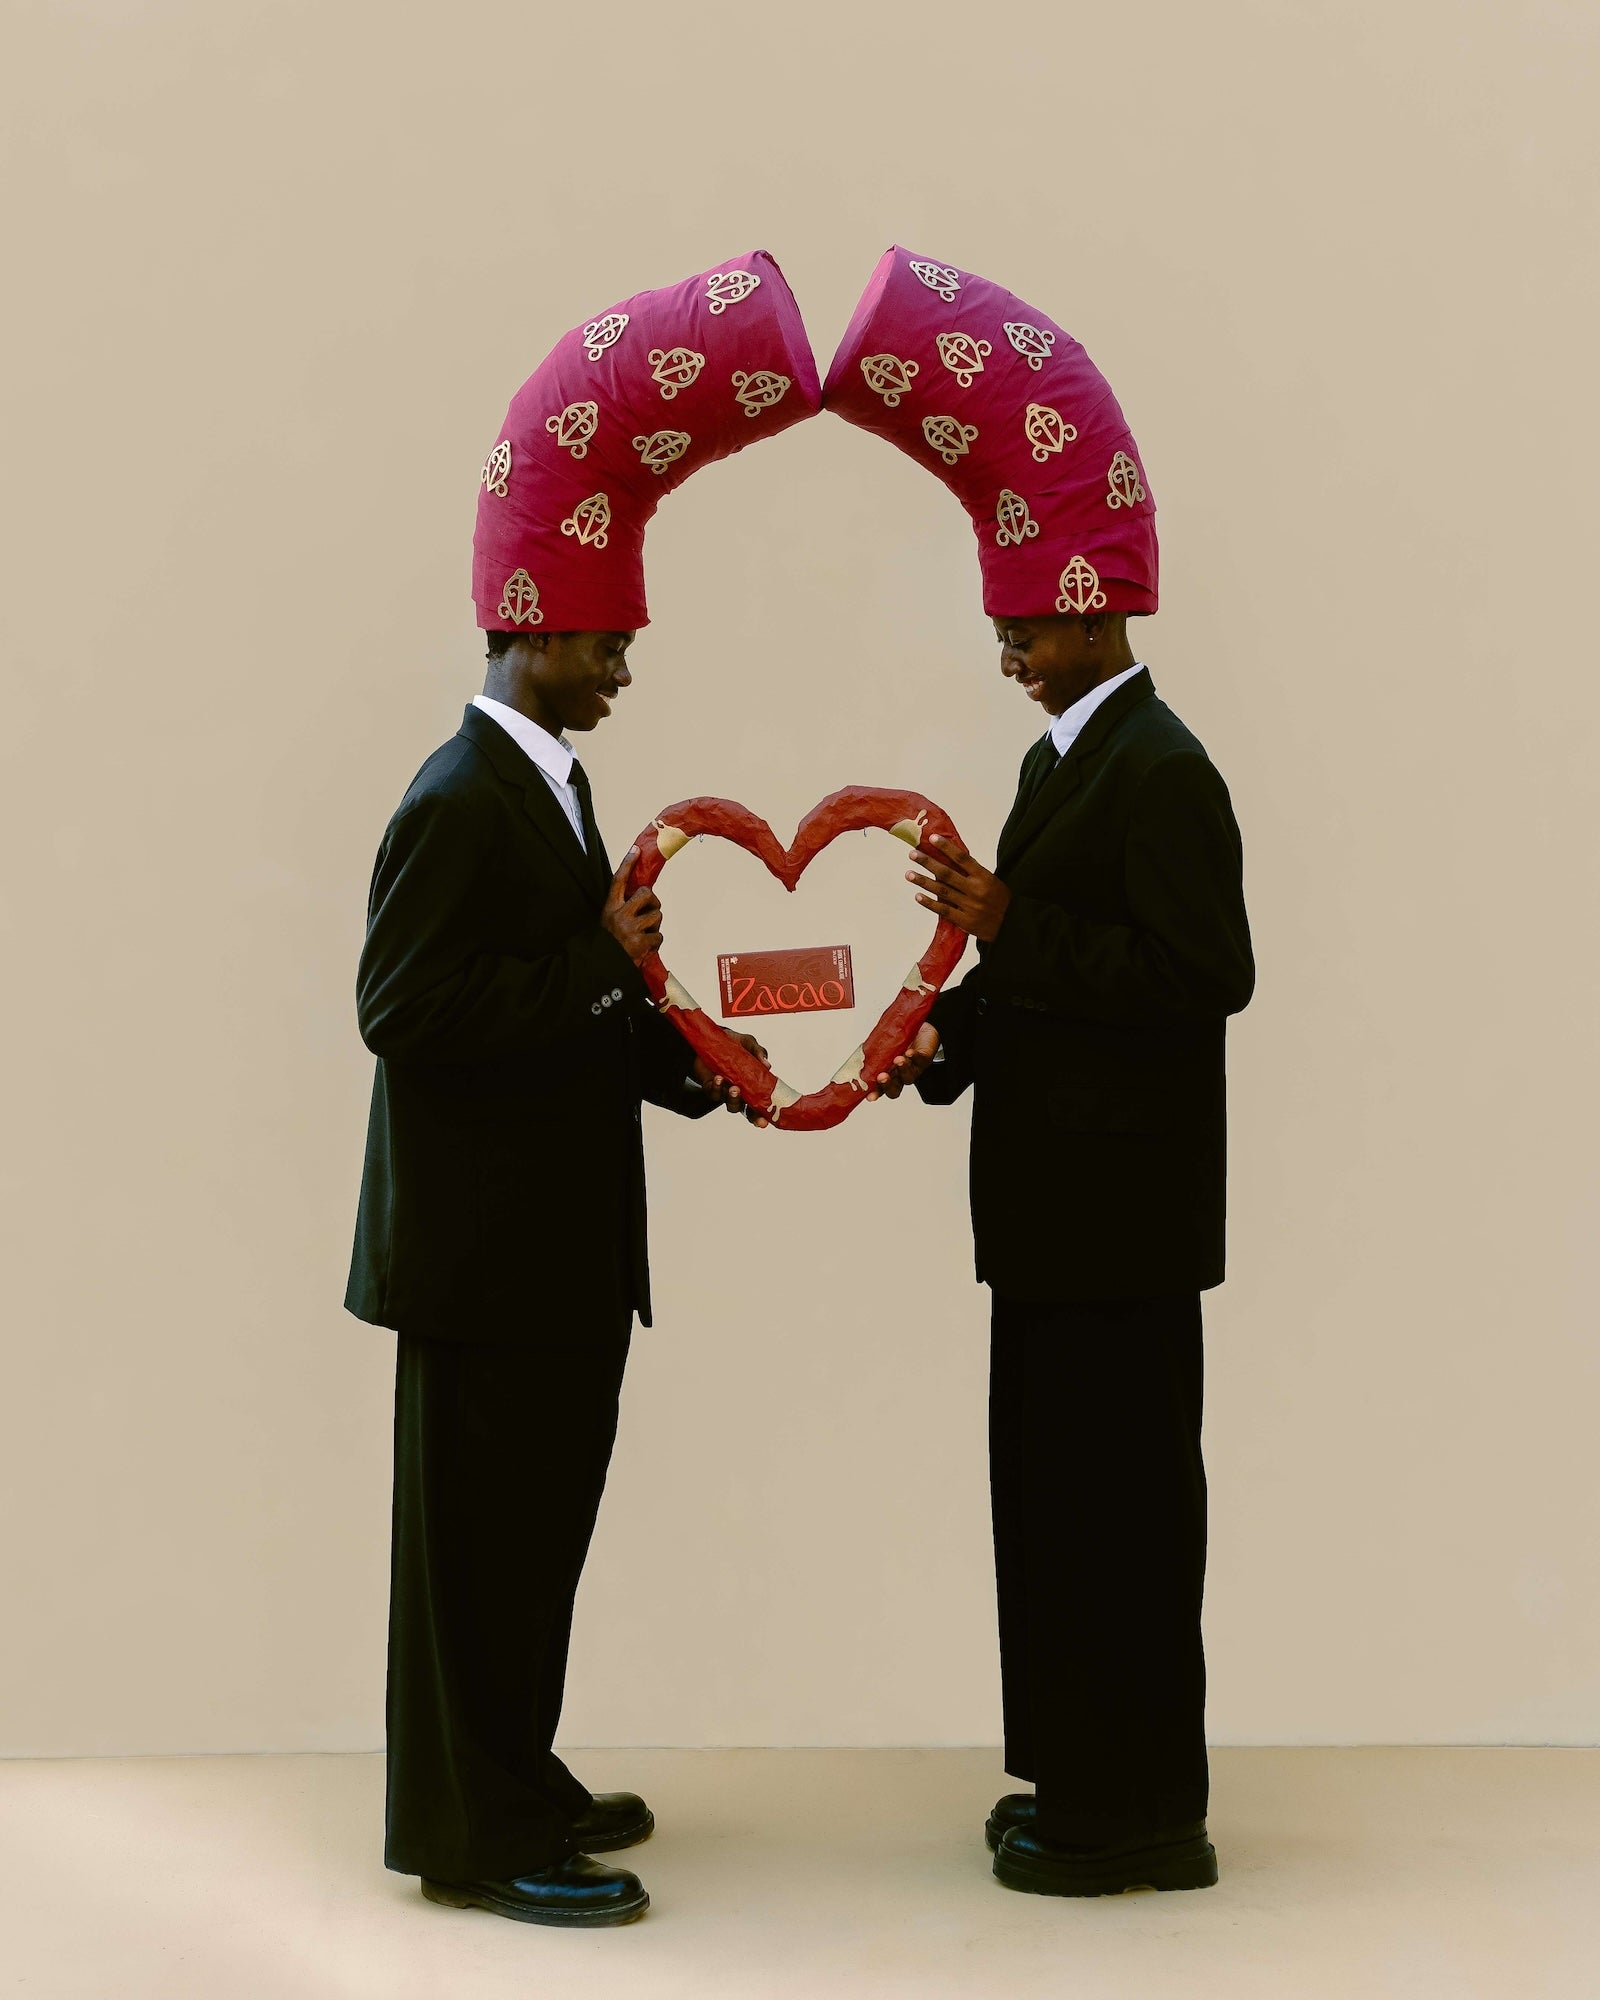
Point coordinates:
pixel 503 1191
pixel 1092 1027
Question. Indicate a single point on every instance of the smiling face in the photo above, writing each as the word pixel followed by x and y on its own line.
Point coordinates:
pixel 1056 661
pixel 562 680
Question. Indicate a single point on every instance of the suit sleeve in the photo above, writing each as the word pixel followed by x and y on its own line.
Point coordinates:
pixel 952 1014
pixel 1184 956
pixel 427 992
pixel 666 1063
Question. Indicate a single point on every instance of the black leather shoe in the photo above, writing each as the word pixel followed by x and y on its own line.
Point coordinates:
pixel 616 1819
pixel 1015 1809
pixel 577 1892
pixel 1179 1858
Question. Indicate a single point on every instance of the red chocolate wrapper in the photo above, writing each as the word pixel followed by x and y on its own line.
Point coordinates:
pixel 816 979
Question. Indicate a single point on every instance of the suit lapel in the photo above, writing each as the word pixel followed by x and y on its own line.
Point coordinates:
pixel 1028 820
pixel 515 768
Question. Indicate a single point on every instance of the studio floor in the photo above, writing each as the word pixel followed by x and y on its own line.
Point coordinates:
pixel 818 1874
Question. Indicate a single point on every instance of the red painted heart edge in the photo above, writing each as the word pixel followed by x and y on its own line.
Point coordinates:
pixel 910 817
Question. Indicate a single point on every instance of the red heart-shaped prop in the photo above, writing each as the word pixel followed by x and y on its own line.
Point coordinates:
pixel 907 815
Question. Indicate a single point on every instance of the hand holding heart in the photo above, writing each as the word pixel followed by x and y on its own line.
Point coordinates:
pixel 904 1070
pixel 633 919
pixel 964 893
pixel 724 1091
pixel 959 890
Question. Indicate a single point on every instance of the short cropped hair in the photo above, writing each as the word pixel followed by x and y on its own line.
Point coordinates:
pixel 499 644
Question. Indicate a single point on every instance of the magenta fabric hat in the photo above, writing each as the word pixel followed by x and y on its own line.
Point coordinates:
pixel 622 410
pixel 1007 409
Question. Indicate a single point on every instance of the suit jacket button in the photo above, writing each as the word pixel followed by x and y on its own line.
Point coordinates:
pixel 605 999
pixel 983 1006
pixel 595 1008
pixel 616 992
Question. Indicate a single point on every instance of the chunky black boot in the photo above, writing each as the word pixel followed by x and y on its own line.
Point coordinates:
pixel 615 1819
pixel 1177 1858
pixel 577 1892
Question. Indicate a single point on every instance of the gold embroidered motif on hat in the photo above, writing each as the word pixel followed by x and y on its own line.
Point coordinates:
pixel 1080 587
pixel 589 520
pixel 759 391
pixel 1031 342
pixel 938 278
pixel 1017 524
pixel 1127 489
pixel 727 288
pixel 889 377
pixel 948 437
pixel 573 429
pixel 675 368
pixel 519 601
pixel 602 333
pixel 661 448
pixel 497 468
pixel 1046 431
pixel 963 356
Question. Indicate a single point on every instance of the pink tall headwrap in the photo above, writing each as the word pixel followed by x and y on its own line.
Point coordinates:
pixel 1007 409
pixel 622 410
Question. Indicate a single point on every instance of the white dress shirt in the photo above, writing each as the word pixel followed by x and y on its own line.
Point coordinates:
pixel 1064 728
pixel 554 756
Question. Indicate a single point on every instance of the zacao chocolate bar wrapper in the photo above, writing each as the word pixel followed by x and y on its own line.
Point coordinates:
pixel 817 979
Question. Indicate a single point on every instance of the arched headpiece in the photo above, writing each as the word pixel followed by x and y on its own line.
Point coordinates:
pixel 1007 409
pixel 622 410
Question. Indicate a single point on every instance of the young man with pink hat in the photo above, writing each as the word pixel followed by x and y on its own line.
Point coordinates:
pixel 1113 945
pixel 501 1230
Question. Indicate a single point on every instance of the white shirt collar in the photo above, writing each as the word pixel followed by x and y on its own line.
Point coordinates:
pixel 1064 728
pixel 554 755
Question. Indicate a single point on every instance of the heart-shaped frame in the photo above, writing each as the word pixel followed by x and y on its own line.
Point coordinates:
pixel 909 817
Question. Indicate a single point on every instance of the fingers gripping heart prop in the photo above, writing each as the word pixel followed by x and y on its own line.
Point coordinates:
pixel 908 816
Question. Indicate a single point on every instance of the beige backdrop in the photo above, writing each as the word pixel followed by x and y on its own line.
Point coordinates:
pixel 275 272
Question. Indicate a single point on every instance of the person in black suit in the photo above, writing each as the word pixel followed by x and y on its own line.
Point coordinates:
pixel 1113 945
pixel 501 1231
pixel 501 1234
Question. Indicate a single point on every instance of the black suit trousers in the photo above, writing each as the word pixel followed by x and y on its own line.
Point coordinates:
pixel 1099 1495
pixel 500 1459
